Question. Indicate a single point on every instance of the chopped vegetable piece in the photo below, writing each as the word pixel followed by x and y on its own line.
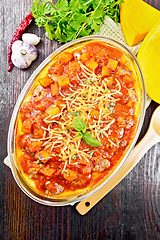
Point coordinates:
pixel 63 81
pixel 45 81
pixel 65 57
pixel 69 175
pixel 73 65
pixel 53 110
pixel 112 64
pixel 95 114
pixel 105 71
pixel 37 131
pixel 85 57
pixel 42 156
pixel 47 171
pixel 59 103
pixel 54 89
pixel 27 126
pixel 91 64
pixel 34 146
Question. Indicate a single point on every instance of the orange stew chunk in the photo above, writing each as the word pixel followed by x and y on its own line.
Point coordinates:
pixel 27 126
pixel 54 89
pixel 65 57
pixel 53 110
pixel 69 175
pixel 63 81
pixel 45 81
pixel 91 64
pixel 105 71
pixel 112 64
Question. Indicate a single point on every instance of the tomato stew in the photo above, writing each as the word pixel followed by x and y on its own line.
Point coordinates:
pixel 78 120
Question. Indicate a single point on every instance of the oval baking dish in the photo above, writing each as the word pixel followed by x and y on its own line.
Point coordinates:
pixel 76 121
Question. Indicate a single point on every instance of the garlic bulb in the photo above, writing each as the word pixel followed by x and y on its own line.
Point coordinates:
pixel 23 54
pixel 31 38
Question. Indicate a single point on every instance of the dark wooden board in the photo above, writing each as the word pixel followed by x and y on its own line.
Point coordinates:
pixel 131 211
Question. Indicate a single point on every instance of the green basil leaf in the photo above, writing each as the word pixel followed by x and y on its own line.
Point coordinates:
pixel 79 135
pixel 90 140
pixel 79 125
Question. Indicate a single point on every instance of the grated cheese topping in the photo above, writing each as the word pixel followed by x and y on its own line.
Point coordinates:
pixel 91 94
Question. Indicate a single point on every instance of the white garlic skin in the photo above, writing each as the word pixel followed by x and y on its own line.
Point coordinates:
pixel 31 38
pixel 20 60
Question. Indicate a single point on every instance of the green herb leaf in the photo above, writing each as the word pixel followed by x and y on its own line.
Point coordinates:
pixel 78 113
pixel 73 96
pixel 105 90
pixel 90 153
pixel 89 81
pixel 79 125
pixel 79 135
pixel 38 162
pixel 75 157
pixel 83 95
pixel 68 128
pixel 66 172
pixel 93 142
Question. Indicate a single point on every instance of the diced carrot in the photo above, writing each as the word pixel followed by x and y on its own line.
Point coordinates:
pixel 65 57
pixel 63 81
pixel 47 171
pixel 37 131
pixel 53 110
pixel 105 71
pixel 91 64
pixel 112 64
pixel 128 79
pixel 43 156
pixel 34 146
pixel 94 114
pixel 45 81
pixel 54 89
pixel 27 126
pixel 85 56
pixel 60 103
pixel 74 65
pixel 69 174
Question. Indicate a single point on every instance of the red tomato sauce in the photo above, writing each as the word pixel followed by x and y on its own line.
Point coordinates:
pixel 79 120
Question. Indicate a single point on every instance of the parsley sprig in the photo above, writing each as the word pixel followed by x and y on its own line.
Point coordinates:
pixel 68 20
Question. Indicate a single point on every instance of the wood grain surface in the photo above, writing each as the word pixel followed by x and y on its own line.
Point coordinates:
pixel 131 211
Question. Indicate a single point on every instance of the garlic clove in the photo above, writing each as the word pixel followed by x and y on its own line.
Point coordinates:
pixel 31 38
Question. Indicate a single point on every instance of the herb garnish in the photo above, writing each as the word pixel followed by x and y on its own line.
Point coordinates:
pixel 38 162
pixel 89 81
pixel 74 157
pixel 78 113
pixel 110 106
pixel 68 20
pixel 66 172
pixel 80 126
pixel 105 90
pixel 90 153
pixel 73 96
